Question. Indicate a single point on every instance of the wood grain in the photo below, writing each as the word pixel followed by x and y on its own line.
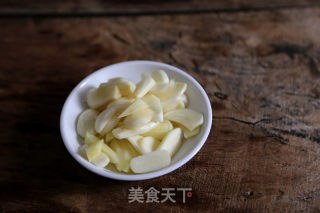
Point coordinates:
pixel 114 7
pixel 260 70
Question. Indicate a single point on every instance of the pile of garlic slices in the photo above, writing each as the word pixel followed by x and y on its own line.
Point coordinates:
pixel 139 127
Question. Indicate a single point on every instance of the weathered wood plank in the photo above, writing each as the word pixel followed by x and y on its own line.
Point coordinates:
pixel 260 69
pixel 34 7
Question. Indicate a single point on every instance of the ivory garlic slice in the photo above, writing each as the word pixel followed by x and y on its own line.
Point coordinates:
pixel 159 88
pixel 188 118
pixel 108 137
pixel 160 76
pixel 110 153
pixel 138 104
pixel 90 138
pixel 172 104
pixel 103 118
pixel 150 162
pixel 144 86
pixel 138 118
pixel 94 150
pixel 106 120
pixel 121 132
pixel 102 95
pixel 147 144
pixel 125 152
pixel 155 105
pixel 112 123
pixel 188 134
pixel 171 141
pixel 160 130
pixel 133 140
pixel 143 144
pixel 100 160
pixel 125 86
pixel 86 122
pixel 174 89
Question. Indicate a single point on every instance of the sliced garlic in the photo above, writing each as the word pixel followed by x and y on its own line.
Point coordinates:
pixel 188 118
pixel 102 95
pixel 143 144
pixel 172 104
pixel 112 123
pixel 93 150
pixel 144 86
pixel 160 130
pixel 100 160
pixel 103 118
pixel 171 141
pixel 90 138
pixel 150 162
pixel 125 86
pixel 138 104
pixel 121 132
pixel 106 120
pixel 160 76
pixel 125 152
pixel 138 118
pixel 155 105
pixel 86 122
pixel 147 144
pixel 174 89
pixel 188 134
pixel 110 153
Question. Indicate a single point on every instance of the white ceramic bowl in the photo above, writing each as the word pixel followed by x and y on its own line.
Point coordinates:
pixel 132 70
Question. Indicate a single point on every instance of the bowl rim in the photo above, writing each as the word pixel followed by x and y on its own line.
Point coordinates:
pixel 145 176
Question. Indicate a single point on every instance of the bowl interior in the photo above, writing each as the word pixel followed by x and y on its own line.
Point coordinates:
pixel 76 103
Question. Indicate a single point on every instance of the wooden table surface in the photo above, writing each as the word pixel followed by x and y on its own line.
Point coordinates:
pixel 259 62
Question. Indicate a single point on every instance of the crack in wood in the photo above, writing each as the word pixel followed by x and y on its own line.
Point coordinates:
pixel 120 39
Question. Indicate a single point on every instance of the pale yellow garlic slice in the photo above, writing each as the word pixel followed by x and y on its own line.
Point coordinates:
pixel 108 137
pixel 159 88
pixel 188 118
pixel 138 104
pixel 120 104
pixel 147 144
pixel 155 105
pixel 172 104
pixel 86 122
pixel 150 162
pixel 143 144
pixel 125 153
pixel 100 160
pixel 106 120
pixel 110 153
pixel 103 118
pixel 121 132
pixel 160 76
pixel 138 118
pixel 144 86
pixel 102 95
pixel 133 140
pixel 171 142
pixel 174 89
pixel 94 150
pixel 160 130
pixel 90 138
pixel 111 124
pixel 188 134
pixel 125 86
